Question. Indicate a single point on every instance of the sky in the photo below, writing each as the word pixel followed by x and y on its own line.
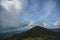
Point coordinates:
pixel 42 12
pixel 16 13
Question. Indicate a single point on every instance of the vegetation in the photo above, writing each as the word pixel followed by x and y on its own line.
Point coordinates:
pixel 36 33
pixel 41 38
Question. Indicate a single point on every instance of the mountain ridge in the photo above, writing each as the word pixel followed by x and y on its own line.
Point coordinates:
pixel 36 31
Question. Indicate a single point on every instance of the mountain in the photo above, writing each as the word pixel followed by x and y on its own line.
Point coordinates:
pixel 38 33
pixel 56 30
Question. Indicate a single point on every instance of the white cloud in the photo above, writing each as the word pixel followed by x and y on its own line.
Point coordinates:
pixel 51 26
pixel 46 25
pixel 31 23
pixel 57 24
pixel 12 6
pixel 10 12
pixel 18 4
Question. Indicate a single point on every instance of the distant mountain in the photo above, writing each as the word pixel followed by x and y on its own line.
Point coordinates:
pixel 36 32
pixel 56 30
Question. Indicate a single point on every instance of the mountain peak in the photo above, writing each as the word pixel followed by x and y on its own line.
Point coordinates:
pixel 36 31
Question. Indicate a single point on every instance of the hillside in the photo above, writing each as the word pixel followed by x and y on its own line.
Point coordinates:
pixel 38 33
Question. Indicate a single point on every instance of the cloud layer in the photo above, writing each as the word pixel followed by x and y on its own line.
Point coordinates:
pixel 10 12
pixel 15 13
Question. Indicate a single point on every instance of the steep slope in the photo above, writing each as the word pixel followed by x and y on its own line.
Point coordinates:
pixel 35 32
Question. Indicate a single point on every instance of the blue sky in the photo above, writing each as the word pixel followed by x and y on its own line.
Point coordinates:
pixel 41 11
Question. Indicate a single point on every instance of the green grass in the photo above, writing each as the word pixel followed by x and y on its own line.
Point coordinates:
pixel 41 38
